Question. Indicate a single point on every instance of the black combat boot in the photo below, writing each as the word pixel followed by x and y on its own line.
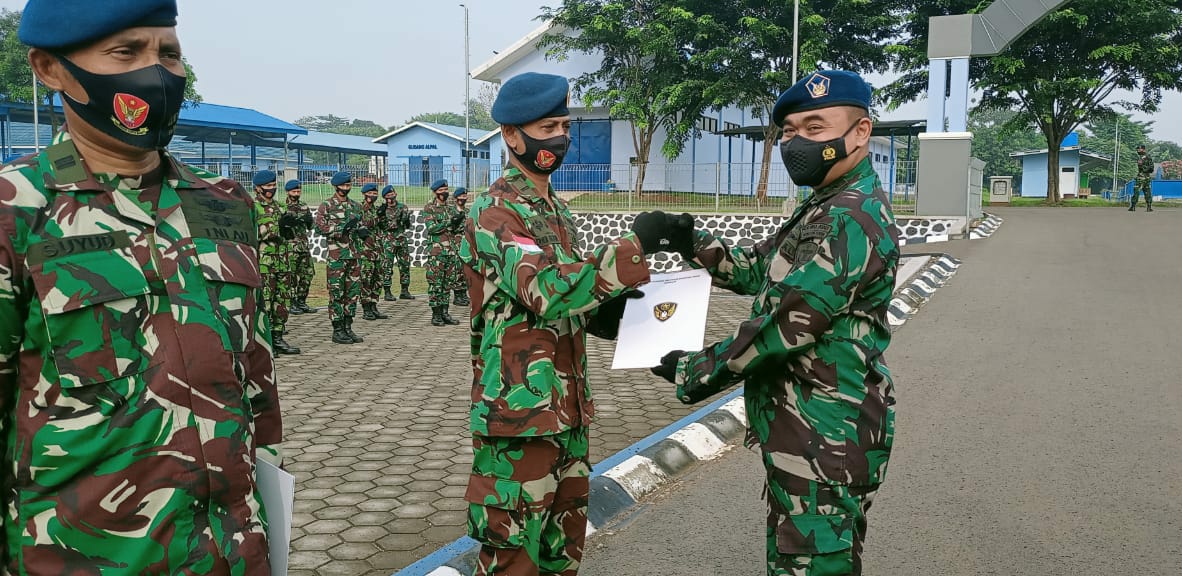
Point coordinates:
pixel 295 308
pixel 461 298
pixel 339 335
pixel 1149 207
pixel 349 330
pixel 389 297
pixel 436 316
pixel 280 346
pixel 1133 208
pixel 447 319
pixel 367 312
pixel 377 314
pixel 307 309
pixel 406 293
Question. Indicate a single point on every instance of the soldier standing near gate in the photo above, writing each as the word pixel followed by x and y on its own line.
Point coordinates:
pixel 1144 181
pixel 300 255
pixel 397 247
pixel 273 257
pixel 339 220
pixel 441 219
pixel 371 254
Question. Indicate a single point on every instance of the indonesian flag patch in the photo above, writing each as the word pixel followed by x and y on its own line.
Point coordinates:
pixel 527 245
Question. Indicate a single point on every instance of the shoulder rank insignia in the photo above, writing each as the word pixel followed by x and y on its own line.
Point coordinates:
pixel 664 310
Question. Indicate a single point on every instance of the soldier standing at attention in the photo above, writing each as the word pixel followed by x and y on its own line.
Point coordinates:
pixel 1145 168
pixel 441 219
pixel 300 264
pixel 371 254
pixel 461 286
pixel 819 395
pixel 339 220
pixel 274 252
pixel 134 355
pixel 536 299
pixel 397 247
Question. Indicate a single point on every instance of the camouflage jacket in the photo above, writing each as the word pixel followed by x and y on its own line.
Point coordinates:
pixel 396 224
pixel 818 390
pixel 437 218
pixel 136 371
pixel 371 247
pixel 534 293
pixel 271 238
pixel 1145 166
pixel 331 218
pixel 300 240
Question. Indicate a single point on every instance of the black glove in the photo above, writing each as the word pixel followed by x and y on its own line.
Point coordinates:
pixel 606 321
pixel 352 223
pixel 681 235
pixel 288 220
pixel 661 232
pixel 458 219
pixel 307 219
pixel 668 367
pixel 362 232
pixel 382 209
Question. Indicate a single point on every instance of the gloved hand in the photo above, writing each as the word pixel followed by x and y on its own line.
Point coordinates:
pixel 307 219
pixel 606 321
pixel 661 232
pixel 458 219
pixel 668 367
pixel 405 223
pixel 362 232
pixel 352 223
pixel 382 209
pixel 681 234
pixel 288 220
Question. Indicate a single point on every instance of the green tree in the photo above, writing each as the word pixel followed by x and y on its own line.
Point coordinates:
pixel 1063 71
pixel 445 118
pixel 1100 137
pixel 339 125
pixel 996 135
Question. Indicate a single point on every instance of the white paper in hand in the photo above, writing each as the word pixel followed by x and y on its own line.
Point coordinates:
pixel 671 316
pixel 277 489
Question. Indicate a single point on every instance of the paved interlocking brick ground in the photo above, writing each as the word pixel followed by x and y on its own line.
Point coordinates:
pixel 377 433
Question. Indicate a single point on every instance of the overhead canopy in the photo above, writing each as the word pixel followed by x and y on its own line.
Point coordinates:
pixel 881 128
pixel 326 142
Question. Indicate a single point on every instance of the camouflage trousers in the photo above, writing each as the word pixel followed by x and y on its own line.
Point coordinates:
pixel 371 280
pixel 1142 186
pixel 344 286
pixel 443 275
pixel 276 286
pixel 813 528
pixel 397 252
pixel 527 503
pixel 299 262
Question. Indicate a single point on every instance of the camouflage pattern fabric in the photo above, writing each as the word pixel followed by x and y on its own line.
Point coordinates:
pixel 137 370
pixel 1143 181
pixel 527 503
pixel 443 265
pixel 300 264
pixel 814 529
pixel 343 269
pixel 396 245
pixel 819 395
pixel 274 253
pixel 371 254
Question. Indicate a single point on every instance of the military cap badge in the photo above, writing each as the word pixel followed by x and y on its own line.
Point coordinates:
pixel 664 310
pixel 818 86
pixel 829 153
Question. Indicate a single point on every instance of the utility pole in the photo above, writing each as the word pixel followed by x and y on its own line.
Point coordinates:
pixel 1115 158
pixel 467 104
pixel 36 118
pixel 795 39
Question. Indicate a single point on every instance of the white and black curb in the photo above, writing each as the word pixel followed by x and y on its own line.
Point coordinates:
pixel 910 298
pixel 986 228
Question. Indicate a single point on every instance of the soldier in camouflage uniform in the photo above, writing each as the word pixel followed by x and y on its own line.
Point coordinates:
pixel 371 254
pixel 134 354
pixel 299 262
pixel 274 252
pixel 339 220
pixel 1144 181
pixel 460 288
pixel 536 296
pixel 443 266
pixel 396 221
pixel 819 395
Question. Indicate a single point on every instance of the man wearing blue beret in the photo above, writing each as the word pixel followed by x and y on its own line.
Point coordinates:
pixel 339 220
pixel 276 226
pixel 820 401
pixel 461 286
pixel 300 264
pixel 443 267
pixel 396 217
pixel 536 294
pixel 371 254
pixel 135 356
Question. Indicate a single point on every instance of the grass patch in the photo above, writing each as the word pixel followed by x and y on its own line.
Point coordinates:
pixel 1086 203
pixel 414 196
pixel 318 292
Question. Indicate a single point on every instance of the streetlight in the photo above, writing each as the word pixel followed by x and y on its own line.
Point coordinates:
pixel 467 104
pixel 795 38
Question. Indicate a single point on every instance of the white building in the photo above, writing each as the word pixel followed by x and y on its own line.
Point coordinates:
pixel 602 153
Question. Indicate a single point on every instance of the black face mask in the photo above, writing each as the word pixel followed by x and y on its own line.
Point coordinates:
pixel 344 191
pixel 542 156
pixel 809 162
pixel 139 108
pixel 293 199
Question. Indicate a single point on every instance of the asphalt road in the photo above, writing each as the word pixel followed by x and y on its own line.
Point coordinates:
pixel 1039 425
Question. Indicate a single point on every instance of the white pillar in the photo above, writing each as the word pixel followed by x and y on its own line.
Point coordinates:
pixel 937 80
pixel 958 98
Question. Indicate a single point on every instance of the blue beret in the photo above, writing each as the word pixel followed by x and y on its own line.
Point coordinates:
pixel 291 185
pixel 371 187
pixel 438 184
pixel 459 192
pixel 341 178
pixel 823 89
pixel 53 24
pixel 387 190
pixel 531 96
pixel 263 177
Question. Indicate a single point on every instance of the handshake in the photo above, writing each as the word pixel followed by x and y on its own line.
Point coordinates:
pixel 661 232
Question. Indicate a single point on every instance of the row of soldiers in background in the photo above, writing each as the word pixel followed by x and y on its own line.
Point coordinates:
pixel 445 227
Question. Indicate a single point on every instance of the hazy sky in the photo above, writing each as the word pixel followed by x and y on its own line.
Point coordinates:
pixel 380 60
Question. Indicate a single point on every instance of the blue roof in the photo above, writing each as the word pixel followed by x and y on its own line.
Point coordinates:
pixel 328 142
pixel 207 115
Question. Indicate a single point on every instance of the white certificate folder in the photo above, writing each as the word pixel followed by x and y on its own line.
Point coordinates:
pixel 671 316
